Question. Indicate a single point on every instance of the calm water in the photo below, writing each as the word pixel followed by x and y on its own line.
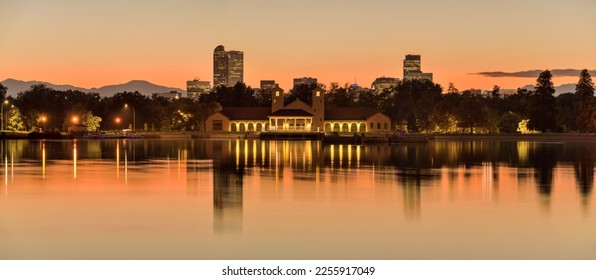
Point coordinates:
pixel 245 199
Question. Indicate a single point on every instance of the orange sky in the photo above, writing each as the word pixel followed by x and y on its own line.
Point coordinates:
pixel 91 45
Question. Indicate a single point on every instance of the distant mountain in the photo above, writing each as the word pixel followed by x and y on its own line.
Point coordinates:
pixel 144 87
pixel 16 86
pixel 564 88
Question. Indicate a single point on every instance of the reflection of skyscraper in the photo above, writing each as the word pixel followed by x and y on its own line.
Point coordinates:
pixel 411 196
pixel 228 67
pixel 227 199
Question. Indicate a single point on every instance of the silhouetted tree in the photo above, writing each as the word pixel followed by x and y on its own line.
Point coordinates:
pixel 585 103
pixel 3 90
pixel 565 114
pixel 543 106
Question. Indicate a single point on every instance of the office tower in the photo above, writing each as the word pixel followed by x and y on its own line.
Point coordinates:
pixel 305 80
pixel 196 88
pixel 228 67
pixel 412 69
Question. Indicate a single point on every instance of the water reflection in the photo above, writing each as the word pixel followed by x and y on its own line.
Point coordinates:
pixel 280 187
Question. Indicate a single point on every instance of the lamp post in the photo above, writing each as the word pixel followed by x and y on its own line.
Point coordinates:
pixel 134 121
pixel 44 119
pixel 2 114
pixel 117 120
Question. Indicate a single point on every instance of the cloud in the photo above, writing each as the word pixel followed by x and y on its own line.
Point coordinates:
pixel 534 73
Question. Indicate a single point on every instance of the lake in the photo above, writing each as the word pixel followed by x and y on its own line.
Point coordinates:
pixel 251 199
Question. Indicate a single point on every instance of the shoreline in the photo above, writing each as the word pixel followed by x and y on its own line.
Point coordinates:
pixel 347 138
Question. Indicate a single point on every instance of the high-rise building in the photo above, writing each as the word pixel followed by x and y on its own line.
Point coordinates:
pixel 228 67
pixel 305 80
pixel 412 69
pixel 268 84
pixel 383 83
pixel 196 88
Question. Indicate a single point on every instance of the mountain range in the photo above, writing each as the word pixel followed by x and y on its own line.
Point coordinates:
pixel 144 87
pixel 148 88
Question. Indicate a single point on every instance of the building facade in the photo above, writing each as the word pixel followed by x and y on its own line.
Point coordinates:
pixel 305 80
pixel 196 88
pixel 228 67
pixel 298 116
pixel 413 70
pixel 169 95
pixel 383 83
pixel 268 84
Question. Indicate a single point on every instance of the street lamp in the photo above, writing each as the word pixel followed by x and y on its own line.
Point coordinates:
pixel 2 114
pixel 117 120
pixel 75 120
pixel 134 121
pixel 43 120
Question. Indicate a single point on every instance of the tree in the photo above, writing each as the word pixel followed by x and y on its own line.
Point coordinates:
pixel 584 103
pixel 543 110
pixel 3 90
pixel 90 121
pixel 14 120
pixel 495 93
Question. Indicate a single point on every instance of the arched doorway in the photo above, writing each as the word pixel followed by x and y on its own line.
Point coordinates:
pixel 327 127
pixel 234 127
pixel 242 127
pixel 344 127
pixel 251 127
pixel 259 127
pixel 353 128
pixel 362 127
pixel 336 127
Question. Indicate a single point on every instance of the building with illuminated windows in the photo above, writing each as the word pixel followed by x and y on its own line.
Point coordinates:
pixel 412 69
pixel 383 83
pixel 228 67
pixel 298 116
pixel 196 88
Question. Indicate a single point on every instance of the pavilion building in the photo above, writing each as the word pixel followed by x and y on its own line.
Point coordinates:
pixel 298 116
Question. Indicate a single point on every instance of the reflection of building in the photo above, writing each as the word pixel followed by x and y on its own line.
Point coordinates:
pixel 227 199
pixel 298 115
pixel 228 67
pixel 383 83
pixel 412 69
pixel 305 80
pixel 196 88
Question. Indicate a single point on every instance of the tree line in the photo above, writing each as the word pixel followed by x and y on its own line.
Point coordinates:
pixel 413 106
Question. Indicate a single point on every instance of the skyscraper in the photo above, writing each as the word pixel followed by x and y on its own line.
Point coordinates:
pixel 412 69
pixel 305 80
pixel 228 67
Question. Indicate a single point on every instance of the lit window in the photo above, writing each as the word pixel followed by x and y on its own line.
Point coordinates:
pixel 318 93
pixel 277 93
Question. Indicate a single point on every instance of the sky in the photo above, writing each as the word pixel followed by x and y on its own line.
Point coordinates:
pixel 96 43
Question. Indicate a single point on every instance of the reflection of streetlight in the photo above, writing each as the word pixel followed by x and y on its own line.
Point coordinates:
pixel 2 114
pixel 134 122
pixel 43 120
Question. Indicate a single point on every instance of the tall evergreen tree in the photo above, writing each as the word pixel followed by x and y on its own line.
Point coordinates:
pixel 543 110
pixel 584 103
pixel 3 90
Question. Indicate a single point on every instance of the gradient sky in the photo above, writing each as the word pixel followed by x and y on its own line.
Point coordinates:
pixel 95 43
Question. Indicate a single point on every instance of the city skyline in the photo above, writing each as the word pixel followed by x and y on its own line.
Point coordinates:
pixel 473 45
